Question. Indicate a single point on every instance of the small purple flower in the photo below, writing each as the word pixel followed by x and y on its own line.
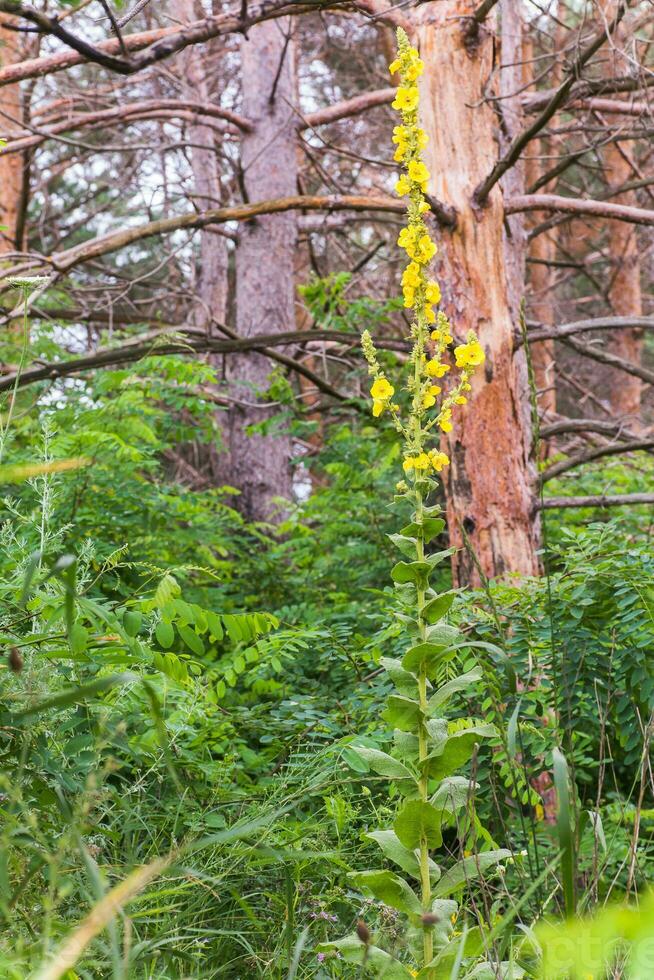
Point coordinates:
pixel 321 957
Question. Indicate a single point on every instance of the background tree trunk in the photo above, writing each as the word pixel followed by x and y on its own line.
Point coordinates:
pixel 625 298
pixel 489 486
pixel 259 465
pixel 12 168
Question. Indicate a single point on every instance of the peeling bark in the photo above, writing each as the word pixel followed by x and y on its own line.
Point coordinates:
pixel 489 486
pixel 11 168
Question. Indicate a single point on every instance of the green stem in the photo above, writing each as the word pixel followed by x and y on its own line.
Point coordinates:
pixel 425 882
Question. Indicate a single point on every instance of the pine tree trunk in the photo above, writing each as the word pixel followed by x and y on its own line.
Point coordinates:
pixel 625 298
pixel 11 167
pixel 490 498
pixel 259 465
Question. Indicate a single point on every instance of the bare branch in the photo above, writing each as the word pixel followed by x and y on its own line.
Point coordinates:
pixel 611 359
pixel 556 101
pixel 615 429
pixel 618 500
pixel 556 469
pixel 577 205
pixel 584 326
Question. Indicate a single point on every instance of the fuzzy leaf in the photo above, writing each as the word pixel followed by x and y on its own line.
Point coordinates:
pixel 417 820
pixel 352 950
pixel 436 608
pixel 445 692
pixel 416 572
pixel 453 793
pixel 403 680
pixel 404 544
pixel 402 713
pixel 468 870
pixel 457 752
pixel 389 888
pixel 427 657
pixel 404 858
pixel 383 763
pixel 431 527
pixel 165 634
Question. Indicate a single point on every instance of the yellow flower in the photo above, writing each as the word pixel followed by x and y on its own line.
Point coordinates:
pixel 469 355
pixel 539 812
pixel 430 316
pixel 382 390
pixel 409 296
pixel 377 408
pixel 439 460
pixel 419 462
pixel 411 275
pixel 401 149
pixel 406 99
pixel 423 207
pixel 400 134
pixel 394 66
pixel 402 186
pixel 421 137
pixel 415 70
pixel 434 390
pixel 418 172
pixel 435 369
pixel 433 292
pixel 441 337
pixel 428 400
pixel 444 420
pixel 425 249
pixel 460 400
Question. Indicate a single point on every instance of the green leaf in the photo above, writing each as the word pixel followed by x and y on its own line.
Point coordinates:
pixel 132 622
pixel 192 640
pixel 77 695
pixel 402 713
pixel 426 657
pixel 565 830
pixel 431 527
pixel 512 731
pixel 167 589
pixel 389 888
pixel 453 793
pixel 395 851
pixel 165 634
pixel 436 608
pixel 417 820
pixel 404 544
pixel 383 763
pixel 403 680
pixel 461 683
pixel 414 571
pixel 78 638
pixel 215 626
pixel 459 748
pixel 352 950
pixel 467 870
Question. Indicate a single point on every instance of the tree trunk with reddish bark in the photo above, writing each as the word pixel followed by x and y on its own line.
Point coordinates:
pixel 625 297
pixel 12 168
pixel 490 497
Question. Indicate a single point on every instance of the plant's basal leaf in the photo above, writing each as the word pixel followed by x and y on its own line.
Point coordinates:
pixel 352 950
pixel 468 870
pixel 411 571
pixel 417 820
pixel 402 713
pixel 462 683
pixel 383 763
pixel 438 736
pixel 389 888
pixel 438 607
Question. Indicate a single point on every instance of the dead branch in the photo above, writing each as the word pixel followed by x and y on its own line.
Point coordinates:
pixel 617 500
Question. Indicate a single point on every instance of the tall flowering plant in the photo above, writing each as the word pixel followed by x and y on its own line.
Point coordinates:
pixel 427 748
